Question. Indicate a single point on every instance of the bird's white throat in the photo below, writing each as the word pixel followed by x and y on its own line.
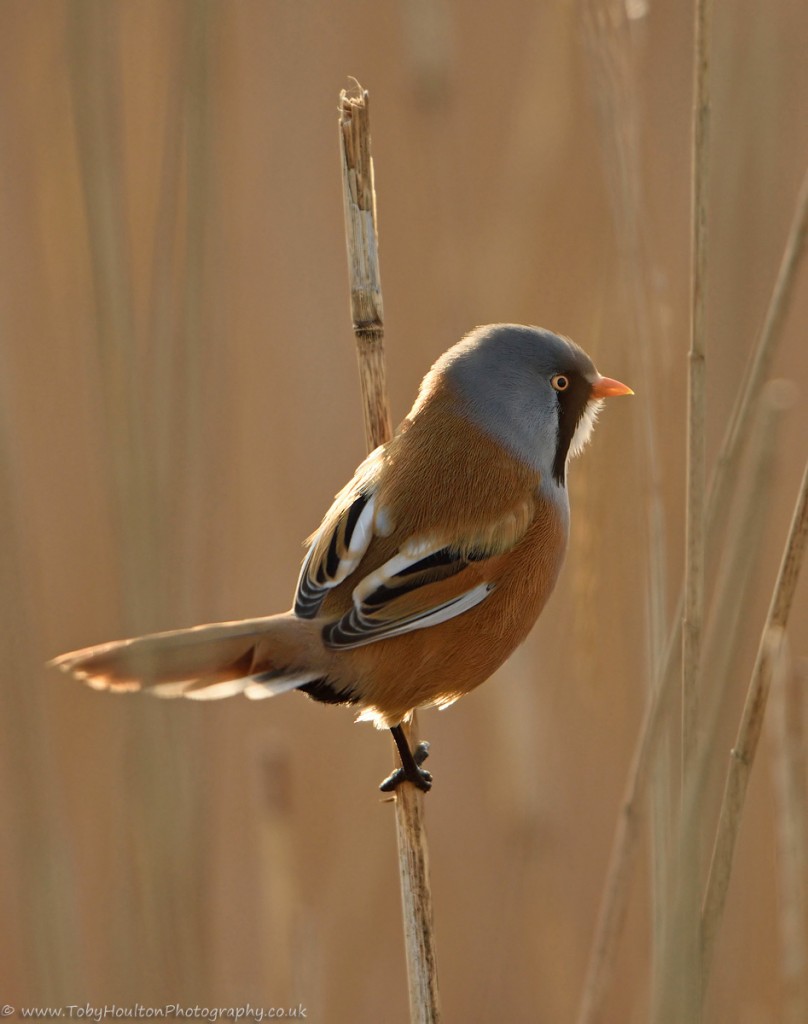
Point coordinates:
pixel 586 425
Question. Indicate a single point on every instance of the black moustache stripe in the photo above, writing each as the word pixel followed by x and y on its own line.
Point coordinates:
pixel 571 405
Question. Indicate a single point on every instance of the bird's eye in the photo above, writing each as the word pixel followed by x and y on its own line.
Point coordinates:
pixel 560 382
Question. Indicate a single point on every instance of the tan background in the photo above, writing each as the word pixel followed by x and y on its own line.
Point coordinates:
pixel 178 403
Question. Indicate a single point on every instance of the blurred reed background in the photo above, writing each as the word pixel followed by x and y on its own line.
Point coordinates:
pixel 178 403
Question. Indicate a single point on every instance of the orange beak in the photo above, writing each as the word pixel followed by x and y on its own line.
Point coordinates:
pixel 605 387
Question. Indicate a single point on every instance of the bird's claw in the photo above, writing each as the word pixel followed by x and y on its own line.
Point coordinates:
pixel 420 777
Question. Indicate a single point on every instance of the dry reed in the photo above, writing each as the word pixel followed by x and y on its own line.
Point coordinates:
pixel 616 48
pixel 749 730
pixel 614 900
pixel 78 824
pixel 367 314
pixel 694 583
pixel 787 720
pixel 614 82
pixel 685 959
pixel 154 834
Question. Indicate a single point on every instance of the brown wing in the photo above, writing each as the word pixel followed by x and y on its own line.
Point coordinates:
pixel 425 583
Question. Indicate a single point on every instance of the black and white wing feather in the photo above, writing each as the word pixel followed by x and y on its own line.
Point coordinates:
pixel 423 583
pixel 419 587
pixel 335 553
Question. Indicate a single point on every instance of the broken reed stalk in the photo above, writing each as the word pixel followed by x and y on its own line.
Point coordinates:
pixel 624 843
pixel 743 753
pixel 359 198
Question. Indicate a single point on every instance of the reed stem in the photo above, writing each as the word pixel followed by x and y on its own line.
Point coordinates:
pixel 367 313
pixel 624 843
pixel 743 753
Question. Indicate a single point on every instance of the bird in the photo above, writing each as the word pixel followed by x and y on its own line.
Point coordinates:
pixel 430 567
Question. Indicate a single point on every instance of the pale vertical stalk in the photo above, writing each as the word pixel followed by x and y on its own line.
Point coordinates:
pixel 161 327
pixel 616 887
pixel 741 548
pixel 92 35
pixel 615 45
pixel 367 309
pixel 367 313
pixel 787 739
pixel 740 423
pixel 732 591
pixel 165 917
pixel 613 41
pixel 694 519
pixel 50 937
pixel 685 959
pixel 730 603
pixel 612 911
pixel 743 753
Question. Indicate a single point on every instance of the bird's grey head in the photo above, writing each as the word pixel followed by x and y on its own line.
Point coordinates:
pixel 529 388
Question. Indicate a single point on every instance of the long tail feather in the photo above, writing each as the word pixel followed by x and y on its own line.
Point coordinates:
pixel 257 657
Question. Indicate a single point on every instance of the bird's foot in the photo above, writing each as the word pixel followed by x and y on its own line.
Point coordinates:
pixel 413 772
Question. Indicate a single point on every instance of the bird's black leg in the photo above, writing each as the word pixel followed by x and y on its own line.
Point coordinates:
pixel 411 762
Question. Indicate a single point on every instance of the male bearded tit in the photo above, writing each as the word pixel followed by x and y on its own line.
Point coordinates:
pixel 430 567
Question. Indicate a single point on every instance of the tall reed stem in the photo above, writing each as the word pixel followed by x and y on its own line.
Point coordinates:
pixel 367 313
pixel 686 961
pixel 790 776
pixel 627 830
pixel 692 621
